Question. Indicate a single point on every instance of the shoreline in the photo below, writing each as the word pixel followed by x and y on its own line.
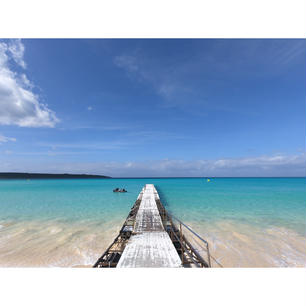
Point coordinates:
pixel 56 244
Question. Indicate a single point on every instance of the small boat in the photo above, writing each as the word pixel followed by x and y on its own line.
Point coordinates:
pixel 119 190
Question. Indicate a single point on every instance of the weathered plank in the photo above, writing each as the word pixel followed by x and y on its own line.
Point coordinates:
pixel 148 221
pixel 150 250
pixel 148 217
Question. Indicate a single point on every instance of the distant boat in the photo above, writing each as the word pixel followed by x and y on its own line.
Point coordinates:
pixel 119 190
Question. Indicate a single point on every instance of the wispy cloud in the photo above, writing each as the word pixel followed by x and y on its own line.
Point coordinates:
pixel 287 53
pixel 19 105
pixel 127 62
pixel 6 139
pixel 127 138
pixel 181 81
pixel 262 166
pixel 278 165
pixel 87 146
pixel 96 127
pixel 16 49
pixel 144 70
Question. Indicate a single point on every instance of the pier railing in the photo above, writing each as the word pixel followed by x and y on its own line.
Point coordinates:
pixel 193 249
pixel 198 245
pixel 201 249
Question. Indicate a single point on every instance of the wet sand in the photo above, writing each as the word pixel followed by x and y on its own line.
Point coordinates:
pixel 54 244
pixel 59 244
pixel 243 245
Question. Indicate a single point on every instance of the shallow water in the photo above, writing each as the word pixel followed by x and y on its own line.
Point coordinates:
pixel 249 222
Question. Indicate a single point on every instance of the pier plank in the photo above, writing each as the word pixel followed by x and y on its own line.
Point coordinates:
pixel 150 250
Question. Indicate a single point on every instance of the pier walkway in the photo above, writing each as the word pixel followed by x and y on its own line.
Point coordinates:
pixel 151 237
pixel 150 245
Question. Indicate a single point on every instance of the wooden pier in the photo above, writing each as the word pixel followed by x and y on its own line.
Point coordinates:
pixel 150 237
pixel 150 245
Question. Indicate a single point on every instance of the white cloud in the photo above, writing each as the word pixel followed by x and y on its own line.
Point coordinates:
pixel 19 105
pixel 262 166
pixel 127 62
pixel 6 139
pixel 89 108
pixel 16 49
pixel 280 165
pixel 26 81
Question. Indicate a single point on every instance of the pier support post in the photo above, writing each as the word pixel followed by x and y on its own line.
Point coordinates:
pixel 181 241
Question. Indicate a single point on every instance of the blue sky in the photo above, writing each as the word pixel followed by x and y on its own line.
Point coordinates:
pixel 153 107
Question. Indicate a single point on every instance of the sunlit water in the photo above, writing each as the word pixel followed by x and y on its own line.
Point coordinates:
pixel 249 222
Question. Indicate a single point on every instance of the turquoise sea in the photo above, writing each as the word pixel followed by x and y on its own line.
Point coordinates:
pixel 248 221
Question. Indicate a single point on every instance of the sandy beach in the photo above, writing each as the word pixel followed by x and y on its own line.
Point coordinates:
pixel 241 245
pixel 56 244
pixel 37 244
